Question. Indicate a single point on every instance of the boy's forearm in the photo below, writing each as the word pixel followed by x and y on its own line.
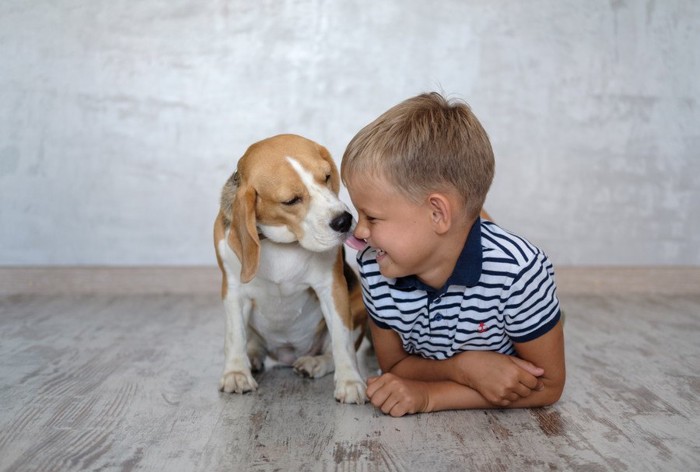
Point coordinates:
pixel 429 370
pixel 446 395
pixel 441 373
pixel 461 368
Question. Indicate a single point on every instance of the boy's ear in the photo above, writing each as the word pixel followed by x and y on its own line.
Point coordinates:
pixel 441 212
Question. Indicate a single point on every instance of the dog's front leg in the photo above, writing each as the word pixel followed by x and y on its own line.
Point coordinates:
pixel 349 386
pixel 237 376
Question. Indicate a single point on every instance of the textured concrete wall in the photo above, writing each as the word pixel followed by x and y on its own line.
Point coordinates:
pixel 120 121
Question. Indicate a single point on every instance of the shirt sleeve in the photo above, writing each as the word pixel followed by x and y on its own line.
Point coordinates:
pixel 532 306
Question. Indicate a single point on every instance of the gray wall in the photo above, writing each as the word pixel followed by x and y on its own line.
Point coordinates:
pixel 120 121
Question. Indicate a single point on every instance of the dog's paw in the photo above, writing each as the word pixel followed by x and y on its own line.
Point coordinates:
pixel 314 366
pixel 237 382
pixel 350 391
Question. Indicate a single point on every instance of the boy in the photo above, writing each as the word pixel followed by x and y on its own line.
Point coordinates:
pixel 462 313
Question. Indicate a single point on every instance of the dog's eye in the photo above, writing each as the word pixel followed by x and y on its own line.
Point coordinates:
pixel 328 178
pixel 293 201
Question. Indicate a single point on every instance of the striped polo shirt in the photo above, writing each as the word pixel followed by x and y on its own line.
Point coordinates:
pixel 501 291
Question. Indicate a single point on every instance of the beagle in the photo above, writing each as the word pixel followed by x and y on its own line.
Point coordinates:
pixel 288 293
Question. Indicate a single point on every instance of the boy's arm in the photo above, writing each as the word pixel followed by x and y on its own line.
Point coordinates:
pixel 498 379
pixel 397 392
pixel 397 396
pixel 547 352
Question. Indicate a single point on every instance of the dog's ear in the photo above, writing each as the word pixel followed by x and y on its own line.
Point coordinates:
pixel 243 237
pixel 335 176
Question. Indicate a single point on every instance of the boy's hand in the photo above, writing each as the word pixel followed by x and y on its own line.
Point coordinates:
pixel 499 378
pixel 396 396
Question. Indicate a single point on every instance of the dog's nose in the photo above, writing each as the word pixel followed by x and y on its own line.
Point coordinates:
pixel 342 223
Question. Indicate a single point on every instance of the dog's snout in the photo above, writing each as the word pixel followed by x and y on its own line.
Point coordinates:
pixel 342 223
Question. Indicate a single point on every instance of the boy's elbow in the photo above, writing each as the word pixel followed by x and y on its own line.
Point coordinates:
pixel 553 393
pixel 552 398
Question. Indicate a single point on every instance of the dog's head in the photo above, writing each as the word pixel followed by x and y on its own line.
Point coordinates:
pixel 285 189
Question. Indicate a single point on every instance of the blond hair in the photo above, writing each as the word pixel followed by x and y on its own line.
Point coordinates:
pixel 426 144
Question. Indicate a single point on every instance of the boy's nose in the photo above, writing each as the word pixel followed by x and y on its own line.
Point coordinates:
pixel 361 230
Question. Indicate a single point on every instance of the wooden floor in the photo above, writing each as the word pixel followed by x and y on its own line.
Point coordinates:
pixel 129 382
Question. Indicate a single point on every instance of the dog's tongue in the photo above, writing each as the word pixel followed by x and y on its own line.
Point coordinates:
pixel 353 242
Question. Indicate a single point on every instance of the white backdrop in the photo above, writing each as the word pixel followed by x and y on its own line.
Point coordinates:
pixel 120 121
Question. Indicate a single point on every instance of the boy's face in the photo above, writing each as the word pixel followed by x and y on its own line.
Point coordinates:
pixel 396 227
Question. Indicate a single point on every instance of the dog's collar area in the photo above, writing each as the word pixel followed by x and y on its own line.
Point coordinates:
pixel 262 237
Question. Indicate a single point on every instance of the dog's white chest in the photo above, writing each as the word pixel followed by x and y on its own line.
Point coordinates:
pixel 292 268
pixel 285 308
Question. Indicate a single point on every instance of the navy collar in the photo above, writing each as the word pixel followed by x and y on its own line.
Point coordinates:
pixel 467 271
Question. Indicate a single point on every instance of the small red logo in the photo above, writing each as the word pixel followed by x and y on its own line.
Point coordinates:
pixel 482 327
